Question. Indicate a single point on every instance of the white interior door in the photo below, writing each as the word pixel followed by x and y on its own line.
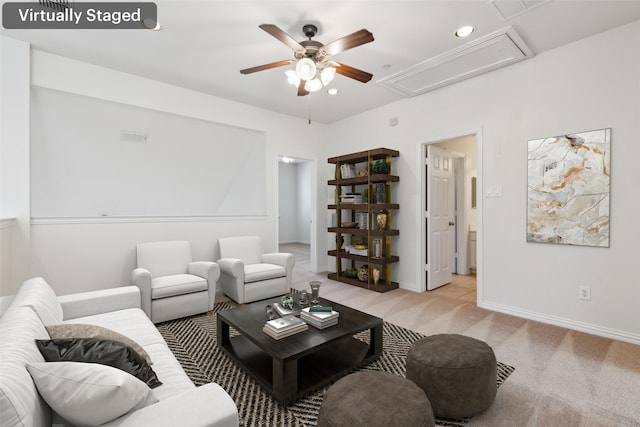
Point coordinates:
pixel 440 216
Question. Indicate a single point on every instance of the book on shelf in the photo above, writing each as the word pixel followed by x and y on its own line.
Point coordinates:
pixel 284 311
pixel 284 323
pixel 285 333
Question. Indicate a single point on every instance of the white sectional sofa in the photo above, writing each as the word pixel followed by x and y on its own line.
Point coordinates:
pixel 178 402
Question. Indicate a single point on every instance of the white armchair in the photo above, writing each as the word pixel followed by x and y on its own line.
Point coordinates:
pixel 247 274
pixel 171 285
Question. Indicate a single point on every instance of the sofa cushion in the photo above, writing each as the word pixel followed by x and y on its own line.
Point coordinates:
pixel 131 322
pixel 179 284
pixel 164 258
pixel 105 352
pixel 89 394
pixel 245 248
pixel 258 272
pixel 83 330
pixel 20 403
pixel 36 293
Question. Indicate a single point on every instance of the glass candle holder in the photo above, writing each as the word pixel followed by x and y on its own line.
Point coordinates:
pixel 304 299
pixel 315 291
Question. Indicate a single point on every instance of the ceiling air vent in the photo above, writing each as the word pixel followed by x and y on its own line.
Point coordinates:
pixel 511 8
pixel 496 50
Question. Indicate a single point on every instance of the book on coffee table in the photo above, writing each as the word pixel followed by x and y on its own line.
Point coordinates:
pixel 288 332
pixel 284 311
pixel 319 319
pixel 285 323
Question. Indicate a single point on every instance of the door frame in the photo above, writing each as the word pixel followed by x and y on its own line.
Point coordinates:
pixel 421 206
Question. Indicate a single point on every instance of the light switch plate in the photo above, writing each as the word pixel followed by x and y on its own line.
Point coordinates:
pixel 494 191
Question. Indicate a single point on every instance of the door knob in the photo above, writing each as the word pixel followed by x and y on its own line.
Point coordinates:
pixel 452 223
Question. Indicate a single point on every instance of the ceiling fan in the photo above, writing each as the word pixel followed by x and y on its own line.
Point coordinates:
pixel 313 67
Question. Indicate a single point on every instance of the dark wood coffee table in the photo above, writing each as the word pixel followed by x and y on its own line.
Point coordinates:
pixel 294 366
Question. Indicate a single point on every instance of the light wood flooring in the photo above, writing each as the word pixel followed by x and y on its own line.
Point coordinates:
pixel 562 377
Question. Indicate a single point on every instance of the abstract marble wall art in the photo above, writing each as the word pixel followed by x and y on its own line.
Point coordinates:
pixel 568 189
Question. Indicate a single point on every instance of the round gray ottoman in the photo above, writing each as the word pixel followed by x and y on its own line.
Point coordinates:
pixel 457 373
pixel 375 399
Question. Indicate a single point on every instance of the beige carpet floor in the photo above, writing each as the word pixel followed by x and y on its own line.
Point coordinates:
pixel 562 377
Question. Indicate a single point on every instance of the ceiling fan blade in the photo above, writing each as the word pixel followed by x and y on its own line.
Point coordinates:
pixel 267 66
pixel 301 90
pixel 282 36
pixel 353 73
pixel 348 42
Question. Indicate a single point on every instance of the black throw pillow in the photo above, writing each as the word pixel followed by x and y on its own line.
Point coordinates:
pixel 93 350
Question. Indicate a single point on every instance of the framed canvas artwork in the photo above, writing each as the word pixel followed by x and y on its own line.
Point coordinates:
pixel 568 189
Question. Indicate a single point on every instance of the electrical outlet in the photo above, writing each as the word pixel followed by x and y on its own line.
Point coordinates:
pixel 584 293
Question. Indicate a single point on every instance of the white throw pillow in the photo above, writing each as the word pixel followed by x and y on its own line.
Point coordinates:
pixel 89 394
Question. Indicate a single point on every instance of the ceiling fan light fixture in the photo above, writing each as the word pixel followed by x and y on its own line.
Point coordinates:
pixel 306 69
pixel 313 85
pixel 327 74
pixel 292 78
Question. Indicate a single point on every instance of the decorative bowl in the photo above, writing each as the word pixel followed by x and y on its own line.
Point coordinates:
pixel 349 224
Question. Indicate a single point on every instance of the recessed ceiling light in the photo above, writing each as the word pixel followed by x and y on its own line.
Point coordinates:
pixel 386 66
pixel 464 31
pixel 332 91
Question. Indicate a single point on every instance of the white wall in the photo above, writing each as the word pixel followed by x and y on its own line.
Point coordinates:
pixel 77 255
pixel 14 164
pixel 590 84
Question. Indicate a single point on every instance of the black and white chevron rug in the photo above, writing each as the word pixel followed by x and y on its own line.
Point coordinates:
pixel 193 341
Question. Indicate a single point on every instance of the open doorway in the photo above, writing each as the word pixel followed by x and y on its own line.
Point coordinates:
pixel 450 168
pixel 296 201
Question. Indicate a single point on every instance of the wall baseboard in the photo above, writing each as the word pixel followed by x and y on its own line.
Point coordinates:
pixel 564 323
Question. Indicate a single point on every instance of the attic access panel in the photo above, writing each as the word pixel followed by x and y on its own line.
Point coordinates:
pixel 496 50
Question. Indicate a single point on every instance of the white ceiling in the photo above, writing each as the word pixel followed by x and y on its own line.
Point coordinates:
pixel 204 44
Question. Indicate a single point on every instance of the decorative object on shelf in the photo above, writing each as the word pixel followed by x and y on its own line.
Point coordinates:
pixel 362 172
pixel 349 224
pixel 363 273
pixel 351 198
pixel 365 195
pixel 376 275
pixel 380 167
pixel 351 272
pixel 315 291
pixel 377 248
pixel 347 171
pixel 381 220
pixel 359 241
pixel 379 193
pixel 363 220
